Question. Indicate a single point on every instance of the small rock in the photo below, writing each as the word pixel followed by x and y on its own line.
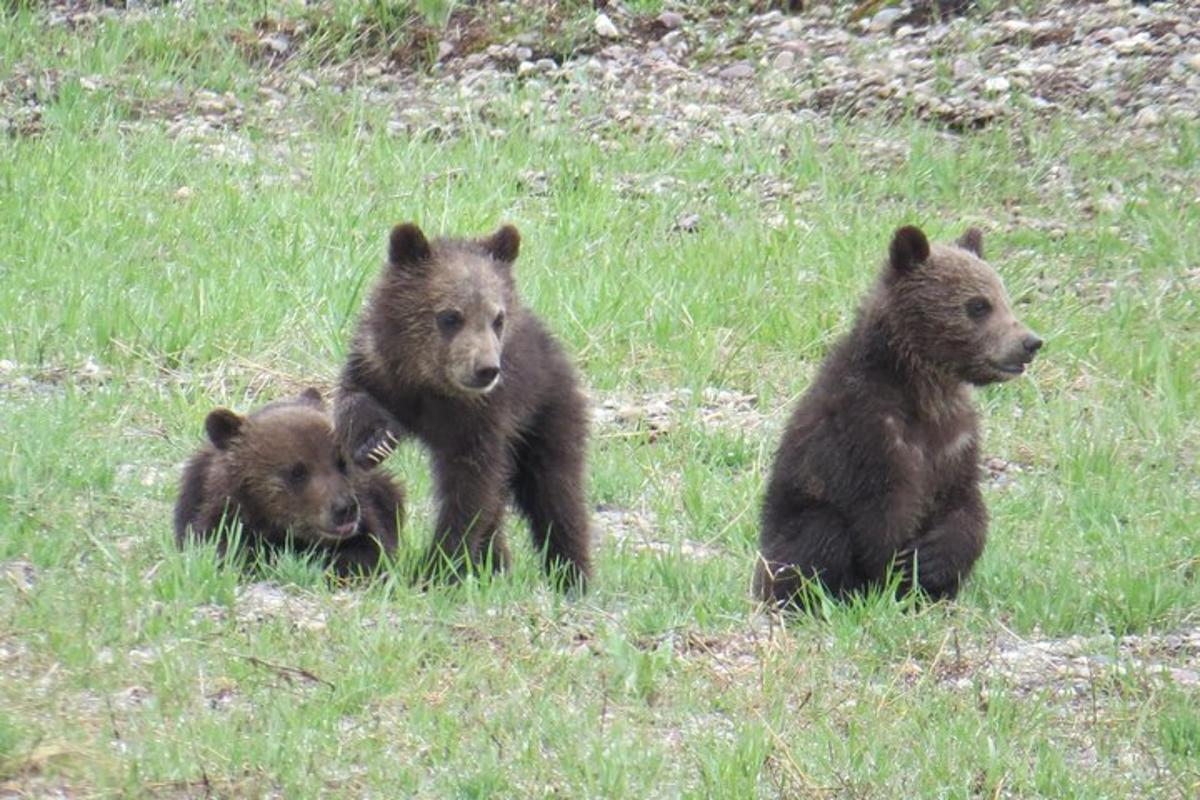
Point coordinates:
pixel 445 50
pixel 183 193
pixel 605 27
pixel 523 54
pixel 737 71
pixel 278 43
pixel 545 65
pixel 784 60
pixel 1193 62
pixel 687 223
pixel 670 20
pixel 1148 117
pixel 525 68
pixel 996 85
pixel 884 20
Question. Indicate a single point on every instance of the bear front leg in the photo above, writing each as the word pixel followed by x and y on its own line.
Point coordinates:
pixel 944 554
pixel 548 487
pixel 470 489
pixel 366 430
pixel 358 557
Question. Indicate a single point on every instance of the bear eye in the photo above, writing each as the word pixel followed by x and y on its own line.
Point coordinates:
pixel 297 474
pixel 498 323
pixel 449 321
pixel 978 307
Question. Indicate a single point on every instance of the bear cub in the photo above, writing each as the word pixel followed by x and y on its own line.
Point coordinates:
pixel 445 352
pixel 281 473
pixel 877 467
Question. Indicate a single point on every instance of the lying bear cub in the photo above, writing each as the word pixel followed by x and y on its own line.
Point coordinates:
pixel 280 473
pixel 877 468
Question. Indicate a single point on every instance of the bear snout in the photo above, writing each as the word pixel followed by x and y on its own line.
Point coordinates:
pixel 486 376
pixel 481 378
pixel 1031 343
pixel 345 513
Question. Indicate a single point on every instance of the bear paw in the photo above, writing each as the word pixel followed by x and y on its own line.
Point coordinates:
pixel 377 447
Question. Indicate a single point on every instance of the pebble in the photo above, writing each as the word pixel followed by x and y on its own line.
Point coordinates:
pixel 670 20
pixel 445 50
pixel 737 71
pixel 279 43
pixel 1148 117
pixel 784 60
pixel 605 27
pixel 1193 61
pixel 884 20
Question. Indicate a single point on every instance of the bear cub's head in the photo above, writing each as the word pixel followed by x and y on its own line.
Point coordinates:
pixel 287 470
pixel 444 307
pixel 948 309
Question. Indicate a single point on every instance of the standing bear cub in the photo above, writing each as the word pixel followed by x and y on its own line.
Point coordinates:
pixel 446 352
pixel 877 468
pixel 280 472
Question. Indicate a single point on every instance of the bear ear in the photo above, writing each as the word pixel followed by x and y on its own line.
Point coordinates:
pixel 909 248
pixel 504 244
pixel 407 245
pixel 223 426
pixel 312 397
pixel 972 241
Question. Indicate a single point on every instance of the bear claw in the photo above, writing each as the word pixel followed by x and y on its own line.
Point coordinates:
pixel 376 448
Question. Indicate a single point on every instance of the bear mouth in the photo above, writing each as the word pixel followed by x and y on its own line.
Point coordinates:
pixel 1016 368
pixel 471 387
pixel 344 525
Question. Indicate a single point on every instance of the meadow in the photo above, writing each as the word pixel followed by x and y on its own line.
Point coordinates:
pixel 187 224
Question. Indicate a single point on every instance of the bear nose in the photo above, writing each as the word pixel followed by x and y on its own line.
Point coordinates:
pixel 485 375
pixel 345 508
pixel 1032 344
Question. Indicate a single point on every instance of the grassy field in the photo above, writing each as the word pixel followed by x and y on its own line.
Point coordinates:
pixel 174 237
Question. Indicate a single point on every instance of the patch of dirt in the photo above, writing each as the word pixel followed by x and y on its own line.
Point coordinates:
pixel 263 601
pixel 654 414
pixel 639 531
pixel 1073 666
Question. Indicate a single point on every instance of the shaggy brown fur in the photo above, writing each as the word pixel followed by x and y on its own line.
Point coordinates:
pixel 878 465
pixel 280 472
pixel 447 353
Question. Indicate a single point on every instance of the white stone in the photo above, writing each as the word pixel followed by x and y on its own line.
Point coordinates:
pixel 996 85
pixel 605 27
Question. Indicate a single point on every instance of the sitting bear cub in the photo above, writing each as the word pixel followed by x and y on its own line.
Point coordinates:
pixel 878 465
pixel 280 473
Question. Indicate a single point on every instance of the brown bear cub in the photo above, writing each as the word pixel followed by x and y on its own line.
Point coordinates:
pixel 877 468
pixel 281 473
pixel 446 352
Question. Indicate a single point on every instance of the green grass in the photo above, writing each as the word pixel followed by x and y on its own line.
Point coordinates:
pixel 129 308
